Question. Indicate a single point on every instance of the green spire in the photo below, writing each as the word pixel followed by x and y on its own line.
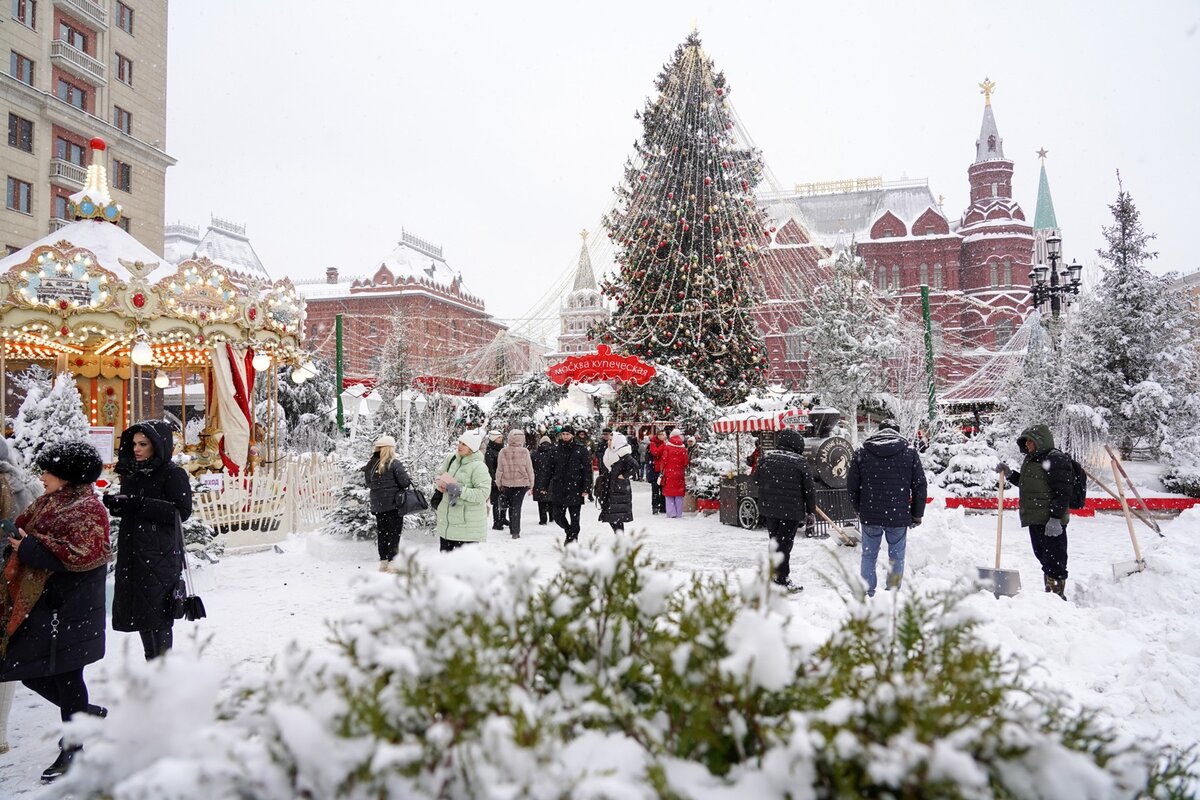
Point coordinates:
pixel 1043 218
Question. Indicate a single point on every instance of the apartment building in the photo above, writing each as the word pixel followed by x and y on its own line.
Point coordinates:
pixel 79 69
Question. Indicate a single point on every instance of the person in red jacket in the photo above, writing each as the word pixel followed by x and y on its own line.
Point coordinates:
pixel 658 446
pixel 674 462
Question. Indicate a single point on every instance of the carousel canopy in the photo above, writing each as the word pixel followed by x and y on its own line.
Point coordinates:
pixel 749 421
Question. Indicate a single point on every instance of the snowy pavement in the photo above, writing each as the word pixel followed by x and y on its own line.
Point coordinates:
pixel 1130 648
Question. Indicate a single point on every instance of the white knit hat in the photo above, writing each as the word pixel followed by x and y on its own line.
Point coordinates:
pixel 385 441
pixel 472 439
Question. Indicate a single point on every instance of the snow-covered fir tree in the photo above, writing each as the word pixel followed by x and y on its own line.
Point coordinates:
pixel 1132 358
pixel 49 416
pixel 946 438
pixel 687 232
pixel 971 470
pixel 524 399
pixel 851 332
pixel 317 395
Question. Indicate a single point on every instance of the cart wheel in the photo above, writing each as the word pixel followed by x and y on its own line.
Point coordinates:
pixel 748 513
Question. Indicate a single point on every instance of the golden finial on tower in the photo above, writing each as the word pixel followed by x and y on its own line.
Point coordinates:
pixel 987 87
pixel 583 234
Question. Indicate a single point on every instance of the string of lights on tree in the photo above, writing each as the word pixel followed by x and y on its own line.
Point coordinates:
pixel 687 230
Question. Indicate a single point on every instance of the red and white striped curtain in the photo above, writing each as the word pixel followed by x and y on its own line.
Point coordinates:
pixel 233 377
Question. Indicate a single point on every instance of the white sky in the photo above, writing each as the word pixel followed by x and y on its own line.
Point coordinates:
pixel 499 129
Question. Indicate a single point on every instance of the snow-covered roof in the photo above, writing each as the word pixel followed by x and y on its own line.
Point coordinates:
pixel 322 290
pixel 413 257
pixel 179 242
pixel 826 215
pixel 109 243
pixel 224 243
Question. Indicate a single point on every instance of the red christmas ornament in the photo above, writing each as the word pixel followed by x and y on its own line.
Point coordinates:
pixel 707 181
pixel 200 338
pixel 719 258
pixel 139 300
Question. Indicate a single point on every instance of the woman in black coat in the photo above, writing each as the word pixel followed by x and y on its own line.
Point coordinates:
pixel 543 474
pixel 616 502
pixel 52 598
pixel 154 499
pixel 386 480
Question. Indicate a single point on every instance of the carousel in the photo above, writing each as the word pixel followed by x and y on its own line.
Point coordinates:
pixel 91 301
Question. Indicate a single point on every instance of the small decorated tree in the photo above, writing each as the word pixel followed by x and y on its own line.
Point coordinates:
pixel 971 470
pixel 47 416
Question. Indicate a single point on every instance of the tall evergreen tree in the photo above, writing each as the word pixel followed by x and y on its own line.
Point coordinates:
pixel 687 232
pixel 851 332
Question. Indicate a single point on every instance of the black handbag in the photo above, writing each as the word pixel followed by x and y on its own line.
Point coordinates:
pixel 435 499
pixel 186 604
pixel 412 501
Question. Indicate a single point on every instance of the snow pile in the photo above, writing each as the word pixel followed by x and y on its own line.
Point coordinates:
pixel 615 677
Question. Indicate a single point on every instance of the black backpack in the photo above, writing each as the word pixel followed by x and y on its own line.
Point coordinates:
pixel 1078 484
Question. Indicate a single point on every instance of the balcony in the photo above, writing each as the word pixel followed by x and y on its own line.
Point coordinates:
pixel 58 222
pixel 77 62
pixel 64 173
pixel 87 10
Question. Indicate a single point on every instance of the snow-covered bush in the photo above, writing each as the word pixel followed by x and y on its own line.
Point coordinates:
pixel 971 470
pixel 1183 474
pixel 48 415
pixel 937 455
pixel 710 461
pixel 464 678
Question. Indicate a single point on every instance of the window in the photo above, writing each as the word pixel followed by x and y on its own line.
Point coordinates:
pixel 70 93
pixel 1008 272
pixel 25 12
pixel 124 69
pixel 924 274
pixel 374 329
pixel 126 223
pixel 125 18
pixel 992 145
pixel 11 248
pixel 122 119
pixel 20 67
pixel 896 277
pixel 1004 332
pixel 995 190
pixel 20 133
pixel 994 280
pixel 62 207
pixel 72 36
pixel 68 151
pixel 793 345
pixel 19 195
pixel 937 276
pixel 122 176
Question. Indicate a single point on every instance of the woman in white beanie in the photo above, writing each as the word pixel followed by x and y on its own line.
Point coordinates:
pixel 465 485
pixel 386 480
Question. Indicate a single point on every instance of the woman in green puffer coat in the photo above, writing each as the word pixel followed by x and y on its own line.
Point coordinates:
pixel 465 485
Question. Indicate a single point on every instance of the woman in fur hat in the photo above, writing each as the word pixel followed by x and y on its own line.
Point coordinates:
pixel 52 604
pixel 154 499
pixel 465 485
pixel 17 491
pixel 386 480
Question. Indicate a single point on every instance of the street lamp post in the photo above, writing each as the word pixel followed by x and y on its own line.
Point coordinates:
pixel 1048 283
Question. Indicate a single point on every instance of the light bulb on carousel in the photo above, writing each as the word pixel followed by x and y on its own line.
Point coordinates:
pixel 299 375
pixel 141 353
pixel 261 362
pixel 161 380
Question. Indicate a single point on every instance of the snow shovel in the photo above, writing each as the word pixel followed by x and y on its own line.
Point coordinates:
pixel 1151 522
pixel 844 538
pixel 1124 568
pixel 1005 582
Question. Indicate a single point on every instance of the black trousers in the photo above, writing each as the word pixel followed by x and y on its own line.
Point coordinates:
pixel 1051 551
pixel 514 496
pixel 498 508
pixel 156 642
pixel 783 535
pixel 65 690
pixel 446 545
pixel 545 511
pixel 390 524
pixel 571 527
pixel 658 502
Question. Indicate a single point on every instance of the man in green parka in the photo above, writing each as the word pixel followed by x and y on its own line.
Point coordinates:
pixel 1046 480
pixel 465 485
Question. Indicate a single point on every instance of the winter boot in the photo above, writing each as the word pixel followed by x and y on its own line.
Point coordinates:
pixel 788 586
pixel 1057 586
pixel 384 566
pixel 61 764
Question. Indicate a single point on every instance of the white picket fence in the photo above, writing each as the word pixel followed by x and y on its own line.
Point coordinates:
pixel 257 512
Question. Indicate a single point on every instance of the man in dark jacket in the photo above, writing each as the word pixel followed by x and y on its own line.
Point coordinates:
pixel 572 481
pixel 543 475
pixel 1046 480
pixel 886 484
pixel 786 496
pixel 491 457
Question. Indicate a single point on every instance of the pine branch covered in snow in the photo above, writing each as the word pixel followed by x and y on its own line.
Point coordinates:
pixel 49 414
pixel 614 677
pixel 524 400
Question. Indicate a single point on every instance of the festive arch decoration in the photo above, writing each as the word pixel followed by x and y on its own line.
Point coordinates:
pixel 603 365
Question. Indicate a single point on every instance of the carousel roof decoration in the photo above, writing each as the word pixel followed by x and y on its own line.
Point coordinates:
pixel 94 201
pixel 89 293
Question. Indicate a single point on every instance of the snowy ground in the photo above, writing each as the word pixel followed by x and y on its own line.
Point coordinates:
pixel 1130 648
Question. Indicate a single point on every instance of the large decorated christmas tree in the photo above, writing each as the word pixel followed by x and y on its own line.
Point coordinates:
pixel 686 232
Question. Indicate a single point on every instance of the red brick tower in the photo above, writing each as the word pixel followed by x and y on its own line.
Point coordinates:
pixel 997 250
